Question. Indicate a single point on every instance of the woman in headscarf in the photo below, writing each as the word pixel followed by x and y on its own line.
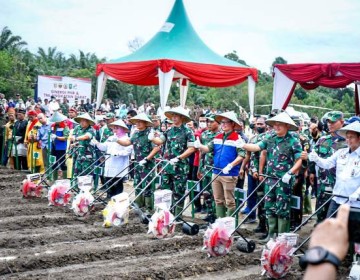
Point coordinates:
pixel 119 157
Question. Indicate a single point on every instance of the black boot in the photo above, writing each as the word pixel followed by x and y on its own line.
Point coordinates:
pixel 261 228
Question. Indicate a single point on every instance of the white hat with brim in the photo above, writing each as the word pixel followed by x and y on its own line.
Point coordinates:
pixel 141 117
pixel 178 111
pixel 355 127
pixel 119 123
pixel 57 117
pixel 231 115
pixel 85 116
pixel 283 118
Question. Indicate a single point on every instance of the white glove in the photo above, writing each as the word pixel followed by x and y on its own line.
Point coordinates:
pixel 313 156
pixel 353 197
pixel 240 143
pixel 53 137
pixel 227 169
pixel 142 162
pixel 93 142
pixel 286 178
pixel 197 143
pixel 174 160
pixel 151 136
pixel 113 139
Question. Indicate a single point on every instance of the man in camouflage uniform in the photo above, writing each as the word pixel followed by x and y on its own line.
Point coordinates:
pixel 179 145
pixel 144 151
pixel 82 136
pixel 227 157
pixel 253 177
pixel 283 158
pixel 207 159
pixel 325 147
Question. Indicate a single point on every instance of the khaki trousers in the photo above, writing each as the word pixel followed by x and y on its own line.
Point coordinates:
pixel 223 189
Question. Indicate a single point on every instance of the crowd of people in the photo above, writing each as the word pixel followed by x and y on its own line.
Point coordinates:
pixel 278 156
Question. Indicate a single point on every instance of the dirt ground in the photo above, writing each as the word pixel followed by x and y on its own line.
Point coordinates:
pixel 42 242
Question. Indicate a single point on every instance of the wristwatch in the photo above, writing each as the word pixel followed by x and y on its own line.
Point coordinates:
pixel 318 255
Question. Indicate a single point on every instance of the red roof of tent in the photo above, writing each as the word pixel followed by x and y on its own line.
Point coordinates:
pixel 177 46
pixel 312 75
pixel 332 75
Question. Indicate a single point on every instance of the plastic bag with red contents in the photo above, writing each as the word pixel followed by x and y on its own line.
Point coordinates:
pixel 30 187
pixel 277 255
pixel 58 193
pixel 116 212
pixel 161 223
pixel 218 239
pixel 82 202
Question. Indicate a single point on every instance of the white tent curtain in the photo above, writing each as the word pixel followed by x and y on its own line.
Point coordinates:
pixel 183 91
pixel 251 93
pixel 165 80
pixel 101 83
pixel 282 89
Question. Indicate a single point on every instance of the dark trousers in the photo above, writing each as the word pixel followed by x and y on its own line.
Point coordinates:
pixel 251 202
pixel 58 154
pixel 22 163
pixel 117 188
pixel 333 206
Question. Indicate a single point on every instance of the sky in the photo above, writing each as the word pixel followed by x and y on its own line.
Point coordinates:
pixel 258 30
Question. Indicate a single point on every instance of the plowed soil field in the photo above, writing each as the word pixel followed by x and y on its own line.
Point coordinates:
pixel 42 242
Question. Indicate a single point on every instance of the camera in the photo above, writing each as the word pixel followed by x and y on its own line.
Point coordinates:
pixel 354 225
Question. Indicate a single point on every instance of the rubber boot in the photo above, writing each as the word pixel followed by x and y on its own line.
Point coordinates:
pixel 230 212
pixel 148 203
pixel 272 222
pixel 64 174
pixel 220 211
pixel 55 175
pixel 307 204
pixel 140 201
pixel 261 228
pixel 283 225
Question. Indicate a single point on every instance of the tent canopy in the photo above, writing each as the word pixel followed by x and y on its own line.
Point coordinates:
pixel 175 52
pixel 310 76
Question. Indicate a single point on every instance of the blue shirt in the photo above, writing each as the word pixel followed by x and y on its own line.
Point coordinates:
pixel 43 135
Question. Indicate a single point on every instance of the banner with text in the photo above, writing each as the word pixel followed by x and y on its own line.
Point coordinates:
pixel 61 87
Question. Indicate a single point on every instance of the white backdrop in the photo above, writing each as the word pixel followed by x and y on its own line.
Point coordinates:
pixel 61 87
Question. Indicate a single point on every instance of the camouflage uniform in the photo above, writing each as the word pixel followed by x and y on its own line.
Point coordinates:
pixel 325 147
pixel 142 148
pixel 64 108
pixel 254 167
pixel 178 139
pixel 296 214
pixel 85 155
pixel 282 153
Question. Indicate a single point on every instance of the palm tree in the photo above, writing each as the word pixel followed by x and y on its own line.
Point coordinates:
pixel 10 42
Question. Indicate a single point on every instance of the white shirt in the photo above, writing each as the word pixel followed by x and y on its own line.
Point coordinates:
pixel 119 158
pixel 347 173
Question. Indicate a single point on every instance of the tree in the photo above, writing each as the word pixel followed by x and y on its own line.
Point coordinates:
pixel 278 60
pixel 10 42
pixel 234 57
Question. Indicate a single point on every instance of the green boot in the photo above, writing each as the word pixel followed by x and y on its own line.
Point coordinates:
pixel 283 225
pixel 220 211
pixel 148 203
pixel 140 201
pixel 230 212
pixel 307 204
pixel 272 222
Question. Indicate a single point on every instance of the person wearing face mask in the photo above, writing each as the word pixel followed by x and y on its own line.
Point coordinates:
pixel 144 155
pixel 253 159
pixel 118 157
